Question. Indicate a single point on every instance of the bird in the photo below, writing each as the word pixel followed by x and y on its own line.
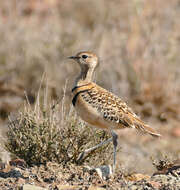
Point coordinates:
pixel 101 108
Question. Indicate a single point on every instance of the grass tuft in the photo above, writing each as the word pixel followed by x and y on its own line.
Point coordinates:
pixel 47 133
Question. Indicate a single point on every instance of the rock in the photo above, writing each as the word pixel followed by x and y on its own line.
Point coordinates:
pixel 2 165
pixel 68 187
pixel 104 171
pixel 21 181
pixel 13 173
pixel 17 162
pixel 176 132
pixel 32 187
pixel 138 177
pixel 95 188
pixel 168 181
pixel 155 184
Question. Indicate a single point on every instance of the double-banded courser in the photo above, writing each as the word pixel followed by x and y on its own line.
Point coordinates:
pixel 101 108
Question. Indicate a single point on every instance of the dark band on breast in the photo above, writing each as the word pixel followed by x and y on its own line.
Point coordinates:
pixel 76 95
pixel 79 87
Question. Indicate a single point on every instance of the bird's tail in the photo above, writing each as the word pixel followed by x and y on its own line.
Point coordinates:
pixel 140 125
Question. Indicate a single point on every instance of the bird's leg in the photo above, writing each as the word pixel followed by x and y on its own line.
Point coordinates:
pixel 83 154
pixel 115 143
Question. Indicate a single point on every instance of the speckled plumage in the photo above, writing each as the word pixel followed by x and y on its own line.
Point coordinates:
pixel 98 106
pixel 101 108
pixel 110 110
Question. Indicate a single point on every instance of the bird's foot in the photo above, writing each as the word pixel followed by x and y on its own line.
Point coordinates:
pixel 104 171
pixel 81 157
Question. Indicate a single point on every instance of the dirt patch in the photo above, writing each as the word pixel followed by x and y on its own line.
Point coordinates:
pixel 54 176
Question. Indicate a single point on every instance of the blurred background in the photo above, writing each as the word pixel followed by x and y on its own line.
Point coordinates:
pixel 138 43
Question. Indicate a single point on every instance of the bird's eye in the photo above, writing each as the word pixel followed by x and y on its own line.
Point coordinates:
pixel 84 56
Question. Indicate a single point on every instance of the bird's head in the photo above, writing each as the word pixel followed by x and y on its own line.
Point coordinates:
pixel 86 59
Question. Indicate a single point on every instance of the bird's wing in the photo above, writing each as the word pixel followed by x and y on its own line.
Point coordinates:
pixel 115 110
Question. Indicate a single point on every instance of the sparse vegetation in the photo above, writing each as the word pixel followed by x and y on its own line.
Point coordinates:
pixel 42 134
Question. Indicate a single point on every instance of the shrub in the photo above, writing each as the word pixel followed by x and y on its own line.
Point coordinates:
pixel 47 133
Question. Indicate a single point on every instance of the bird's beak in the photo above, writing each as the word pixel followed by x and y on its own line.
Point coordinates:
pixel 73 57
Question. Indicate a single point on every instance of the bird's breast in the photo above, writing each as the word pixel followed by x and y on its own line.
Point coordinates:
pixel 88 113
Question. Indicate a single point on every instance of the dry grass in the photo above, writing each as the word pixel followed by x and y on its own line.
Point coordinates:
pixel 45 133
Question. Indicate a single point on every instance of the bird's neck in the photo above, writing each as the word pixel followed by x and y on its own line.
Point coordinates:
pixel 85 76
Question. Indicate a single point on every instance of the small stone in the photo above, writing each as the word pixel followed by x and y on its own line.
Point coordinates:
pixel 68 187
pixel 2 165
pixel 17 162
pixel 176 132
pixel 32 187
pixel 155 184
pixel 138 177
pixel 104 171
pixel 95 188
pixel 21 181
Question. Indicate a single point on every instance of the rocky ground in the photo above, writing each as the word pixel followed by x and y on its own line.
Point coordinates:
pixel 52 176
